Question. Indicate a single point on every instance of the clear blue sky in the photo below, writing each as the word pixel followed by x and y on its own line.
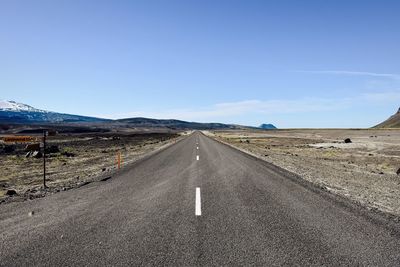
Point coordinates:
pixel 291 63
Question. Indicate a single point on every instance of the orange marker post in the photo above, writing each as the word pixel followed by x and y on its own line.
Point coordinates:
pixel 119 160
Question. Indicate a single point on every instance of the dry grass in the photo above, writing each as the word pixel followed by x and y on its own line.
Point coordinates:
pixel 93 156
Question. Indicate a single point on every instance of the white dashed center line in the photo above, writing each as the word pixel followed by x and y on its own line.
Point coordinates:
pixel 197 157
pixel 198 202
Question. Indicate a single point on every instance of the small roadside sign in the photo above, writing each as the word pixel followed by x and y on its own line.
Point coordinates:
pixel 19 139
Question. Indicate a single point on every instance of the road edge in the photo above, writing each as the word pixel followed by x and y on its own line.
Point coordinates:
pixel 112 174
pixel 390 221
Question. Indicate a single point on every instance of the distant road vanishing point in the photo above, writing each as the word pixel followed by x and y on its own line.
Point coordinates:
pixel 197 202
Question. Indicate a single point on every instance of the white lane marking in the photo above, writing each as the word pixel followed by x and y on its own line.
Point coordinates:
pixel 198 202
pixel 197 148
pixel 197 157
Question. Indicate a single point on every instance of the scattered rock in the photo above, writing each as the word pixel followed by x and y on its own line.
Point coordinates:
pixel 32 147
pixel 381 173
pixel 11 192
pixel 34 154
pixel 52 149
pixel 9 149
pixel 370 154
pixel 31 213
pixel 347 140
pixel 103 170
pixel 68 154
pixel 398 172
pixel 248 141
pixel 37 154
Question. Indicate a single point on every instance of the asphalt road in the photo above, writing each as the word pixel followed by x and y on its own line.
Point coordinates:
pixel 252 213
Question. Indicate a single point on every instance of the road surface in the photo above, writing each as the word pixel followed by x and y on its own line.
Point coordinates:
pixel 198 202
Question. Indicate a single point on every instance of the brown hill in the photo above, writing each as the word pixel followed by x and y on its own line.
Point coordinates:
pixel 392 122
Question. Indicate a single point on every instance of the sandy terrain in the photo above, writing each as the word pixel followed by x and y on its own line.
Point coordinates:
pixel 81 158
pixel 363 170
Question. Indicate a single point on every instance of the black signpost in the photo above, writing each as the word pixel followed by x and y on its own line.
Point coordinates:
pixel 45 133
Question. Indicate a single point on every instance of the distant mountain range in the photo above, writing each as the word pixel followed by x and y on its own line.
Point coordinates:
pixel 12 112
pixel 392 122
pixel 178 124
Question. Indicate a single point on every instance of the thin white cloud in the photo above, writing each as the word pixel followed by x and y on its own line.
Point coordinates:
pixel 222 112
pixel 383 97
pixel 353 73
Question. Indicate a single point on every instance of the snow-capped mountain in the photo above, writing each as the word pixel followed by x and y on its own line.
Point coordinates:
pixel 14 106
pixel 13 112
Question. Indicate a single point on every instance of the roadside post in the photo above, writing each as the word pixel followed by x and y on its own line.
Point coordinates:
pixel 119 159
pixel 45 133
pixel 30 139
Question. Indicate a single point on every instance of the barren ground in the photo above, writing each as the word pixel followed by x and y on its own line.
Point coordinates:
pixel 364 170
pixel 82 158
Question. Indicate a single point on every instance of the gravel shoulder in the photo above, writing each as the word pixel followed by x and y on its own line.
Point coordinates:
pixel 78 160
pixel 363 170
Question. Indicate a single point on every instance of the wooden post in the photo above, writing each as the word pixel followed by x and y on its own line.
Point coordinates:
pixel 119 160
